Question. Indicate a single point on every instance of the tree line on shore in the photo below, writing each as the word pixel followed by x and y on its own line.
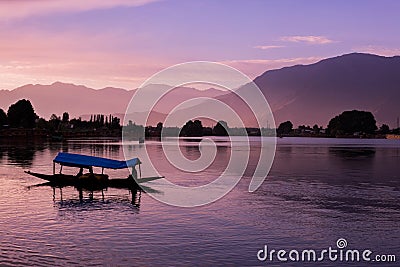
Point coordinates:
pixel 349 123
pixel 346 124
pixel 190 129
pixel 21 115
pixel 352 123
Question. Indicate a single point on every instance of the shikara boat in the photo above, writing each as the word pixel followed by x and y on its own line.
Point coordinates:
pixel 90 180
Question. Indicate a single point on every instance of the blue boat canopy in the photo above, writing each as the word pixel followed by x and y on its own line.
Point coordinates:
pixel 83 161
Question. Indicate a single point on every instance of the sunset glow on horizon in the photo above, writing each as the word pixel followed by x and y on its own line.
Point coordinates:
pixel 122 43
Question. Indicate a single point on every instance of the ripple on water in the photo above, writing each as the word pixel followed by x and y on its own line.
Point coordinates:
pixel 315 194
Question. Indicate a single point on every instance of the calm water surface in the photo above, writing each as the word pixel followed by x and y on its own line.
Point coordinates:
pixel 318 190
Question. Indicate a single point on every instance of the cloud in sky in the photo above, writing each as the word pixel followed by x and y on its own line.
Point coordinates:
pixel 309 39
pixel 94 75
pixel 25 8
pixel 43 57
pixel 267 47
pixel 378 50
pixel 122 42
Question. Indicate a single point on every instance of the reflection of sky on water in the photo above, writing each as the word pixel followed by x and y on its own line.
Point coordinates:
pixel 317 191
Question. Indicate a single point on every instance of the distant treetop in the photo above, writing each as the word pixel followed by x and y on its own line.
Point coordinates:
pixel 351 122
pixel 285 128
pixel 22 114
pixel 3 118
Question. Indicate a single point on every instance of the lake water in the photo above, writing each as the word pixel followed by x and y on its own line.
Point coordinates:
pixel 318 190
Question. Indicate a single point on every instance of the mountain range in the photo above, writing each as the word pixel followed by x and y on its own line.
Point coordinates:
pixel 81 101
pixel 315 93
pixel 304 94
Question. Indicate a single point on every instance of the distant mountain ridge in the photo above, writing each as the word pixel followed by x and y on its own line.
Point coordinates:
pixel 305 94
pixel 308 94
pixel 313 94
pixel 80 100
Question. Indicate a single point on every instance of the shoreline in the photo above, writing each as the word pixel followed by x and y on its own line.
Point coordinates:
pixel 44 139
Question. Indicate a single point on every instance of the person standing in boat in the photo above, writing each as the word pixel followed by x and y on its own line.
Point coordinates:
pixel 80 173
pixel 132 177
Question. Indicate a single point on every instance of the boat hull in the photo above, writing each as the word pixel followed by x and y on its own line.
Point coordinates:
pixel 90 182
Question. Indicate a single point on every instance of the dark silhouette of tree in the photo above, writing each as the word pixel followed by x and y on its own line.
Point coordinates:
pixel 22 114
pixel 54 123
pixel 3 118
pixel 221 129
pixel 159 126
pixel 192 129
pixel 54 117
pixel 115 123
pixel 285 128
pixel 65 117
pixel 316 128
pixel 384 129
pixel 350 122
pixel 42 124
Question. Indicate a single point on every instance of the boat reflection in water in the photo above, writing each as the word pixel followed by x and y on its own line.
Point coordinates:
pixel 87 195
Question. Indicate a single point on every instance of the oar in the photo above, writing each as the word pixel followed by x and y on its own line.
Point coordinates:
pixel 39 185
pixel 147 189
pixel 148 179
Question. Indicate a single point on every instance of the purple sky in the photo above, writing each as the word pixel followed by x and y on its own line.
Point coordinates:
pixel 121 43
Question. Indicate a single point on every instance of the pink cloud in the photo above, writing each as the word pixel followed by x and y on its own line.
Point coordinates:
pixel 26 8
pixel 309 39
pixel 33 56
pixel 267 47
pixel 378 50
